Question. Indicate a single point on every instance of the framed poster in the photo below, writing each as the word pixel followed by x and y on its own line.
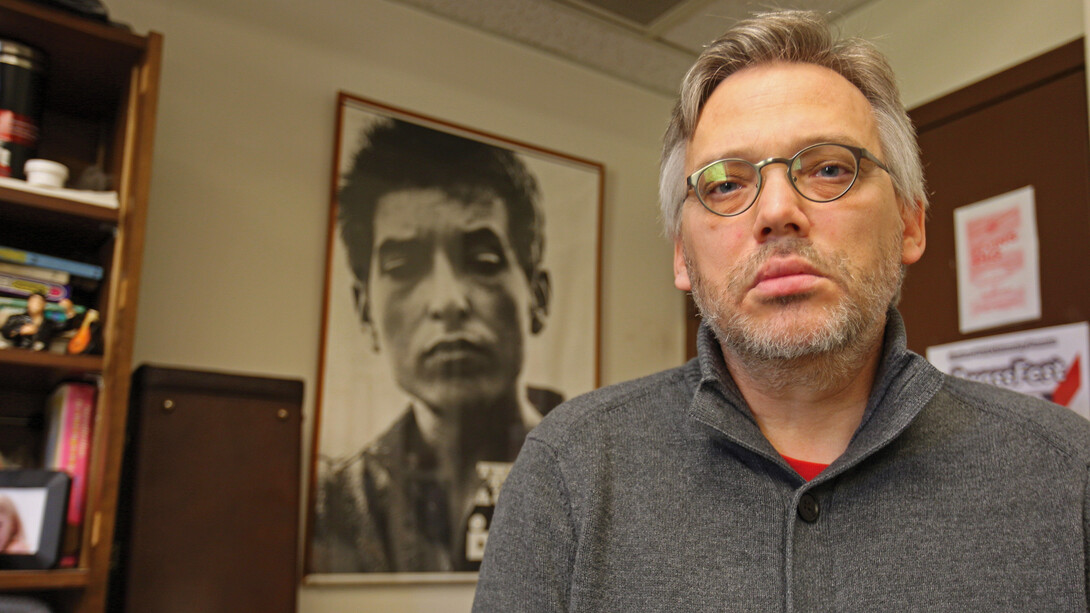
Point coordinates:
pixel 461 305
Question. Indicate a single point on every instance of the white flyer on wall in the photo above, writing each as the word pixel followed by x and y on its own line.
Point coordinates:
pixel 997 261
pixel 1050 363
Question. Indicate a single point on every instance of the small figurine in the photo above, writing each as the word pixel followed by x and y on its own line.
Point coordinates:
pixel 32 329
pixel 87 339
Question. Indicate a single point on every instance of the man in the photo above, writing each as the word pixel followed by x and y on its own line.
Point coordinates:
pixel 805 460
pixel 445 239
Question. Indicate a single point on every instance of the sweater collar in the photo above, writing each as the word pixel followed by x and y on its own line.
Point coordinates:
pixel 904 383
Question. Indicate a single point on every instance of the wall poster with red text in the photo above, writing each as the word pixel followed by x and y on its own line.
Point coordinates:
pixel 997 261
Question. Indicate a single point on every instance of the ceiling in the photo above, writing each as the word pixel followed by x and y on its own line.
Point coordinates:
pixel 650 43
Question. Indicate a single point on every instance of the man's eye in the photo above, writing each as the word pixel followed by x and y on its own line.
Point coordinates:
pixel 485 261
pixel 725 183
pixel 722 188
pixel 832 171
pixel 823 165
pixel 401 265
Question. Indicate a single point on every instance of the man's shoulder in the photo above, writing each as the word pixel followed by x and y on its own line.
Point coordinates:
pixel 1035 418
pixel 655 396
pixel 385 450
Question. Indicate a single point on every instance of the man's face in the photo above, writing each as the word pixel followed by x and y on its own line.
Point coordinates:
pixel 448 299
pixel 790 277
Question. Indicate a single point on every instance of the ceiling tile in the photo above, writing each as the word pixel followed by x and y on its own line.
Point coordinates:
pixel 641 12
pixel 650 43
pixel 710 21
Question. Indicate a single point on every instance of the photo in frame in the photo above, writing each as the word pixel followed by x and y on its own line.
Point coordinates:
pixel 462 303
pixel 33 505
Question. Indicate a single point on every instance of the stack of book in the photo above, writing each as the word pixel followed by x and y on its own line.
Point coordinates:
pixel 25 272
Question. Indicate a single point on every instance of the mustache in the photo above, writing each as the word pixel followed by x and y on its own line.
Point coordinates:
pixel 747 271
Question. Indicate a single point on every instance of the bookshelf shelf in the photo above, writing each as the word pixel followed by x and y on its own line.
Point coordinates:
pixel 37 580
pixel 41 370
pixel 29 205
pixel 100 96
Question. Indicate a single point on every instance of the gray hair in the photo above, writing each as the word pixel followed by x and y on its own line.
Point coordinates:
pixel 796 37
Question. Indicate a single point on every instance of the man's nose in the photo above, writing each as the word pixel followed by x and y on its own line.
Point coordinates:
pixel 446 293
pixel 779 206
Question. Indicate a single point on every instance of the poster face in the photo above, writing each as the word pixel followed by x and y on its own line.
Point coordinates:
pixel 461 305
pixel 997 261
pixel 1049 363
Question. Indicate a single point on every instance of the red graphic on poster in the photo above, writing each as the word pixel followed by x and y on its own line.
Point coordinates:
pixel 994 257
pixel 989 238
pixel 1067 388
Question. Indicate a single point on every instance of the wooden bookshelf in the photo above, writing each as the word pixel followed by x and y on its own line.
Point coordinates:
pixel 100 97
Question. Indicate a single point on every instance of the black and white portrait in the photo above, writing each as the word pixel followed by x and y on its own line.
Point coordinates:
pixel 461 306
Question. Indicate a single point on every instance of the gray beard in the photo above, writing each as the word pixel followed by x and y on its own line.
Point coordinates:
pixel 780 355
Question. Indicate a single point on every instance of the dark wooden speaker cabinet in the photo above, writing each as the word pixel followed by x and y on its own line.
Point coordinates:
pixel 209 509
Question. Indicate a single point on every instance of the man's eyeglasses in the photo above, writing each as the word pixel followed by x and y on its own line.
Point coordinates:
pixel 819 173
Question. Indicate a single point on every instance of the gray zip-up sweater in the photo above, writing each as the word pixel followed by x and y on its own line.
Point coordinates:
pixel 661 494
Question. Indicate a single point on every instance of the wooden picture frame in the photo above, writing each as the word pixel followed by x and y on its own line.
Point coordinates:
pixel 33 506
pixel 515 322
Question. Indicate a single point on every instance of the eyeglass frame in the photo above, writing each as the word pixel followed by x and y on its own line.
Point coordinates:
pixel 860 153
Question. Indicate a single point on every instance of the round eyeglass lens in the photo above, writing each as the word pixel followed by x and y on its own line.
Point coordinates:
pixel 728 186
pixel 825 172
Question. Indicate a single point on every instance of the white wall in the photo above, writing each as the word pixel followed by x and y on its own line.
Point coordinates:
pixel 236 236
pixel 938 46
pixel 237 226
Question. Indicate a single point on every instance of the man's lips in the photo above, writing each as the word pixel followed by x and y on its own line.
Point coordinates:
pixel 784 277
pixel 453 348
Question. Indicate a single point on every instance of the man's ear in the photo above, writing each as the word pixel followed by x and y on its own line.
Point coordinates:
pixel 914 235
pixel 359 295
pixel 541 291
pixel 363 311
pixel 681 270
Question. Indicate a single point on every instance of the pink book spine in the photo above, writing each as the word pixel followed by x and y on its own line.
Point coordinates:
pixel 73 444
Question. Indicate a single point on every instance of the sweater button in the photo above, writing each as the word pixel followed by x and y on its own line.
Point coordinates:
pixel 809 510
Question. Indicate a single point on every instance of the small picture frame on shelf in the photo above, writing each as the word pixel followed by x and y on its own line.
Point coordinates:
pixel 33 504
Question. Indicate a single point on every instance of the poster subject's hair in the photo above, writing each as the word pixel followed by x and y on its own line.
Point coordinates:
pixel 398 155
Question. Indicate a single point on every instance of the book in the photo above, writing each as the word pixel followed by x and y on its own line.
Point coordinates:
pixel 13 285
pixel 70 418
pixel 26 271
pixel 19 256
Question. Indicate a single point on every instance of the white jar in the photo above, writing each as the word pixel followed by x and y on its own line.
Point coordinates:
pixel 45 173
